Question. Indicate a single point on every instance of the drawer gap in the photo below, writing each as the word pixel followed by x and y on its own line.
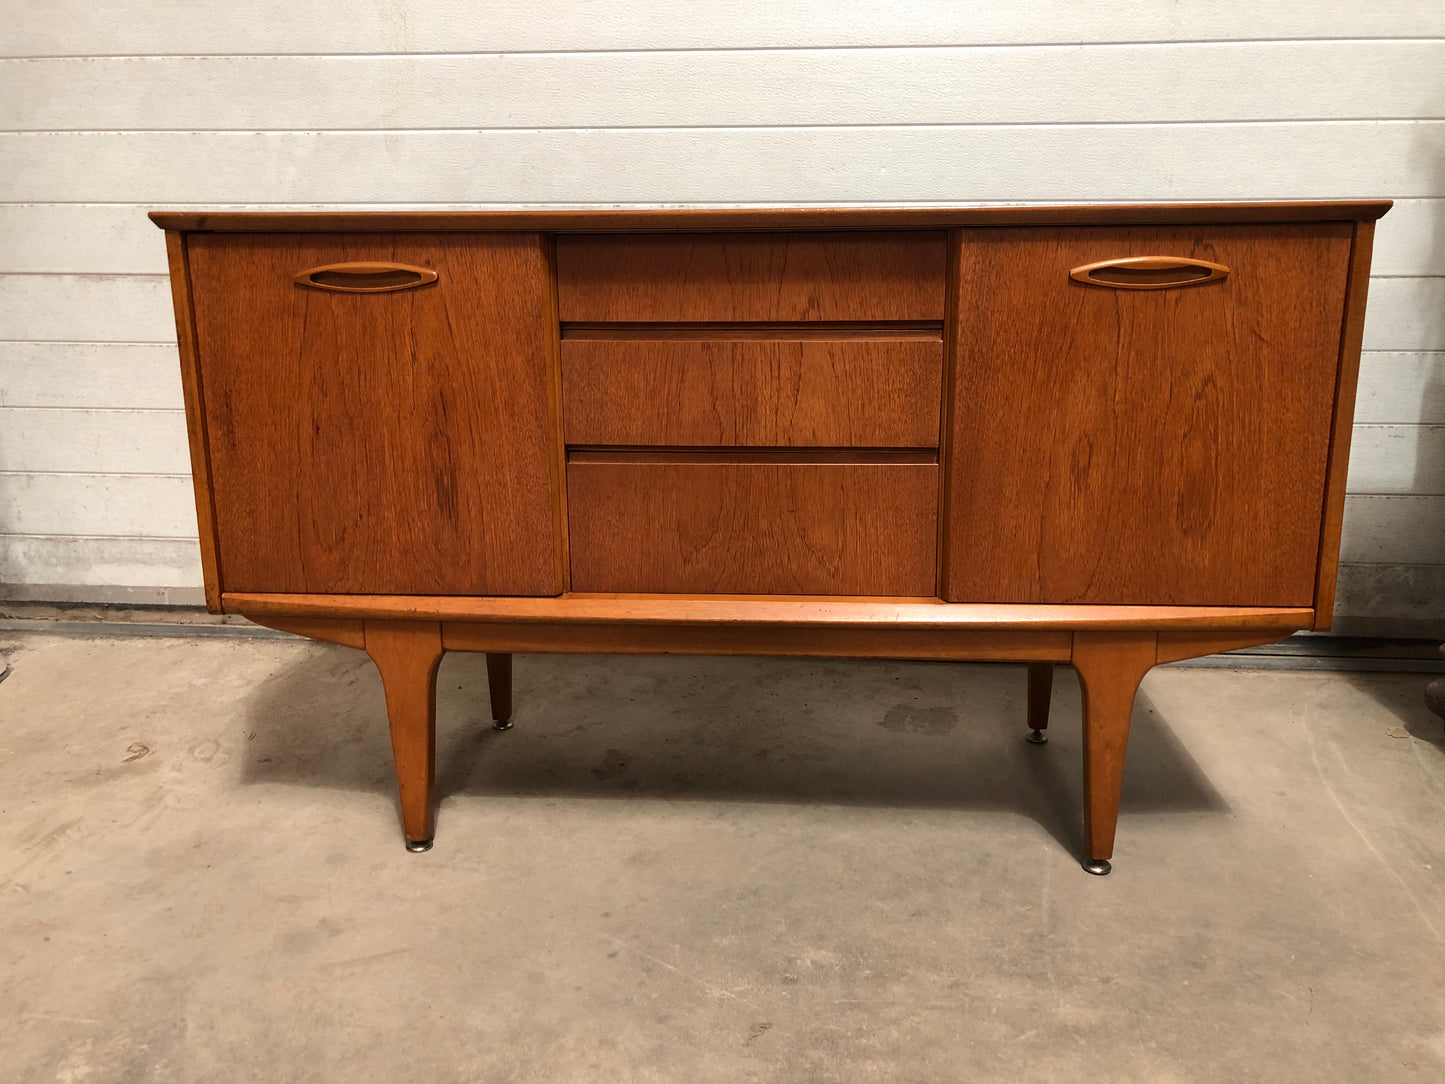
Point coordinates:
pixel 750 455
pixel 895 330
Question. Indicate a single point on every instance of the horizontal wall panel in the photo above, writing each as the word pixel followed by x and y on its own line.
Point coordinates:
pixel 109 238
pixel 76 27
pixel 132 376
pixel 84 308
pixel 1394 530
pixel 1050 162
pixel 125 441
pixel 1403 593
pixel 122 562
pixel 70 238
pixel 1405 314
pixel 1398 459
pixel 128 505
pixel 1402 389
pixel 755 88
pixel 1410 240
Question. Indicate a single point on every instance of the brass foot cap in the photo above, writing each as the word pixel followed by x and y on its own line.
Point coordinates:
pixel 1037 737
pixel 1099 867
pixel 501 724
pixel 416 846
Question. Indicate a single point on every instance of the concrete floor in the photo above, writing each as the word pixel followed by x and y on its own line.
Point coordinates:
pixel 702 870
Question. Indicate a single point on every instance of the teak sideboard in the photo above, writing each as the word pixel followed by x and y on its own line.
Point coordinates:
pixel 1109 436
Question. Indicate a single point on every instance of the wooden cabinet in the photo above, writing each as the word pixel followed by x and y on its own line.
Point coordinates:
pixel 1103 436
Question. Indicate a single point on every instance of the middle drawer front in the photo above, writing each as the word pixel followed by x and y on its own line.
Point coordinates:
pixel 803 392
pixel 685 523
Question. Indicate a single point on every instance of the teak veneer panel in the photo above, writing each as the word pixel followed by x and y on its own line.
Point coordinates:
pixel 735 526
pixel 184 306
pixel 880 275
pixel 1143 446
pixel 778 641
pixel 1342 427
pixel 808 392
pixel 379 442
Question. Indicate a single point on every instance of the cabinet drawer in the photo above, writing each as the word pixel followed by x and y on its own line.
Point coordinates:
pixel 862 393
pixel 884 275
pixel 697 523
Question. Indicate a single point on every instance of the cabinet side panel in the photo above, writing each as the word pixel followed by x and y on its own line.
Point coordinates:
pixel 195 415
pixel 380 442
pixel 1351 338
pixel 1143 446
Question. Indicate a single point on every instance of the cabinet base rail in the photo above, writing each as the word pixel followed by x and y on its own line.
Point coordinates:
pixel 1110 661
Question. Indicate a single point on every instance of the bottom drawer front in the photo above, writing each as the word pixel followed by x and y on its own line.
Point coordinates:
pixel 697 525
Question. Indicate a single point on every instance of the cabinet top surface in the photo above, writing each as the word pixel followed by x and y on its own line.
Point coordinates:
pixel 774 218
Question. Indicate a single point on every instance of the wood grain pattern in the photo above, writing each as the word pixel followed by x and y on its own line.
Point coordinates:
pixel 758 610
pixel 832 393
pixel 557 445
pixel 1110 666
pixel 779 641
pixel 780 218
pixel 946 425
pixel 1347 378
pixel 880 275
pixel 394 442
pixel 776 528
pixel 201 479
pixel 407 654
pixel 1163 447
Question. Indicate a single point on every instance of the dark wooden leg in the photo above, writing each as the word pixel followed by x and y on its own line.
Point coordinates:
pixel 407 653
pixel 1110 666
pixel 1041 689
pixel 499 684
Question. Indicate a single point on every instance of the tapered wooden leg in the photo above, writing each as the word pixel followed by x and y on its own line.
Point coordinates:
pixel 1041 689
pixel 407 653
pixel 499 684
pixel 1110 666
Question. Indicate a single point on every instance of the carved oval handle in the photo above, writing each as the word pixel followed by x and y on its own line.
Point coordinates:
pixel 1149 273
pixel 366 277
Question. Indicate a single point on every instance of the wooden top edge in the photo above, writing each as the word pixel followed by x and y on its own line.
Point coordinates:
pixel 856 612
pixel 774 218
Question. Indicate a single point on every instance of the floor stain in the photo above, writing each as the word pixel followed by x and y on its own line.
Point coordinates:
pixel 614 763
pixel 919 720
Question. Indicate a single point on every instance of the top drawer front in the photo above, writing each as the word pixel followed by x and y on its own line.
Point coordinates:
pixel 883 275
